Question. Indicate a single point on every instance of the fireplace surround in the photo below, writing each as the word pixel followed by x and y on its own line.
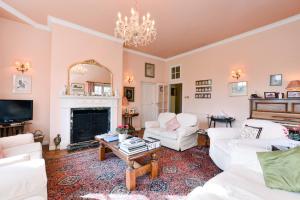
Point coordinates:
pixel 67 103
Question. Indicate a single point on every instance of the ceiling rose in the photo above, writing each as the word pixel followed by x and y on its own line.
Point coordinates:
pixel 134 33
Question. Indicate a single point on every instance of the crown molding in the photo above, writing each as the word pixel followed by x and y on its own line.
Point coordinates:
pixel 23 17
pixel 54 20
pixel 144 54
pixel 240 36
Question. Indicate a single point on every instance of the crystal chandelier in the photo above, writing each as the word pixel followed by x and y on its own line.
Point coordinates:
pixel 134 33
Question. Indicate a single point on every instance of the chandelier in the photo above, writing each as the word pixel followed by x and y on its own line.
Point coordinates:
pixel 134 33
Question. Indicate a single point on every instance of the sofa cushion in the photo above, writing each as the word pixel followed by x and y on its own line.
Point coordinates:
pixel 163 118
pixel 270 130
pixel 250 132
pixel 281 169
pixel 172 124
pixel 162 133
pixel 186 119
pixel 33 149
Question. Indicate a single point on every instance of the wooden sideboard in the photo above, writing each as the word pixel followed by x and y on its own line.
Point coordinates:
pixel 284 111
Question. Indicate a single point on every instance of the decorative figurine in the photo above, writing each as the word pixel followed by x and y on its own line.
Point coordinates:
pixel 57 141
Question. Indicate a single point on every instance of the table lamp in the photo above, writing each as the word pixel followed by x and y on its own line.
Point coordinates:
pixel 125 104
pixel 293 85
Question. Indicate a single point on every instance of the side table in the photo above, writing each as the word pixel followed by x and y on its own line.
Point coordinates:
pixel 226 120
pixel 203 139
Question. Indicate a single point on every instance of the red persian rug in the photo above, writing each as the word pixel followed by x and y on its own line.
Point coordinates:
pixel 81 175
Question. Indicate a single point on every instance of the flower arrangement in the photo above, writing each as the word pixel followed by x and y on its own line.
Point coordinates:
pixel 122 129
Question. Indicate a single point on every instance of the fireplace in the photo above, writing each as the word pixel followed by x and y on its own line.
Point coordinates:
pixel 88 122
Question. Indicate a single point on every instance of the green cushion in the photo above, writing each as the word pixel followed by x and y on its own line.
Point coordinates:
pixel 281 169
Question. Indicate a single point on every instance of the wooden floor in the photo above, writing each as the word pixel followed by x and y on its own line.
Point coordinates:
pixel 59 153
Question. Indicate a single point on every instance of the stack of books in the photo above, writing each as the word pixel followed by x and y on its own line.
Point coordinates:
pixel 152 143
pixel 133 145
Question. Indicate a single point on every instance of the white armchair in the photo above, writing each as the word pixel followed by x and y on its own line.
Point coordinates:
pixel 180 139
pixel 227 148
pixel 23 169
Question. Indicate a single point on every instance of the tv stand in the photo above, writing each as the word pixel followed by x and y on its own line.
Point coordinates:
pixel 12 129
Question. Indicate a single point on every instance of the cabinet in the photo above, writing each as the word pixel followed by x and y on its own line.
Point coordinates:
pixel 284 111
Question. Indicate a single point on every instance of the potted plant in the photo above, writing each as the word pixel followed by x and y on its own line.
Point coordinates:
pixel 123 131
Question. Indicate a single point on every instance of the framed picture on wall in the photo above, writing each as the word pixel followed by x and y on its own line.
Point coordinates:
pixel 149 70
pixel 129 93
pixel 238 89
pixel 276 80
pixel 21 84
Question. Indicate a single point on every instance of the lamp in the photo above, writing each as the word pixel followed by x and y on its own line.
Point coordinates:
pixel 22 67
pixel 236 73
pixel 129 79
pixel 294 85
pixel 125 104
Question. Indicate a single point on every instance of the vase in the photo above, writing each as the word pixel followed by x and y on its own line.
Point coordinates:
pixel 122 137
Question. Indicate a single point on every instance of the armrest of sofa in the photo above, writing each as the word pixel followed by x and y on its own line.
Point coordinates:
pixel 12 141
pixel 22 179
pixel 14 159
pixel 152 124
pixel 223 133
pixel 186 130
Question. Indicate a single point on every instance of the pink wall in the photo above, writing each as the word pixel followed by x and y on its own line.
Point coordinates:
pixel 20 41
pixel 69 46
pixel 271 52
pixel 134 65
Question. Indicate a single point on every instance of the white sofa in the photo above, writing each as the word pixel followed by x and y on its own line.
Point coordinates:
pixel 226 145
pixel 22 171
pixel 239 183
pixel 182 138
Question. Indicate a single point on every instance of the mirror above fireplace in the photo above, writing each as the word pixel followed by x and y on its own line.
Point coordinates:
pixel 90 78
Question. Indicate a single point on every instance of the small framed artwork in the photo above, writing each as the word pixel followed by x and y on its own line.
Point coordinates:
pixel 149 70
pixel 293 94
pixel 21 84
pixel 129 93
pixel 77 88
pixel 131 111
pixel 270 95
pixel 238 89
pixel 276 80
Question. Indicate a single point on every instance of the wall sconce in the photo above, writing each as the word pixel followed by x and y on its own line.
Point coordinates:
pixel 22 67
pixel 236 73
pixel 129 79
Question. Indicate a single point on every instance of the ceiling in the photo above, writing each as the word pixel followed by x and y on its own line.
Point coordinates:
pixel 182 25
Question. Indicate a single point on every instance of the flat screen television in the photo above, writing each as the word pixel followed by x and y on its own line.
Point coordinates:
pixel 15 111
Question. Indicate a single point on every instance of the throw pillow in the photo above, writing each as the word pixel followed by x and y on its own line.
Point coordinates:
pixel 281 169
pixel 250 132
pixel 172 124
pixel 1 152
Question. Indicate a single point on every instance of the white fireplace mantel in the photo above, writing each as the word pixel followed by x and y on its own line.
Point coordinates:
pixel 69 102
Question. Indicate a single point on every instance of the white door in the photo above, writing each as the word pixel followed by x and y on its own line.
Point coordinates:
pixel 149 104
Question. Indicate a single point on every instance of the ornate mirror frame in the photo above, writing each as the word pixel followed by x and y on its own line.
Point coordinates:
pixel 90 62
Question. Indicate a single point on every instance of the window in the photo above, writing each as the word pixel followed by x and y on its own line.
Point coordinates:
pixel 175 72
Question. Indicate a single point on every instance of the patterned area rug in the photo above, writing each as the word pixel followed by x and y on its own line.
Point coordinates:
pixel 81 175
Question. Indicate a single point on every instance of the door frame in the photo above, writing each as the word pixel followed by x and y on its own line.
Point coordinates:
pixel 175 83
pixel 141 97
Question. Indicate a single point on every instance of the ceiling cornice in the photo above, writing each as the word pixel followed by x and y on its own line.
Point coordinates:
pixel 144 54
pixel 240 36
pixel 54 20
pixel 23 17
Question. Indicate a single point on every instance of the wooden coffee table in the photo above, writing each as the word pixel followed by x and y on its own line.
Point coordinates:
pixel 134 169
